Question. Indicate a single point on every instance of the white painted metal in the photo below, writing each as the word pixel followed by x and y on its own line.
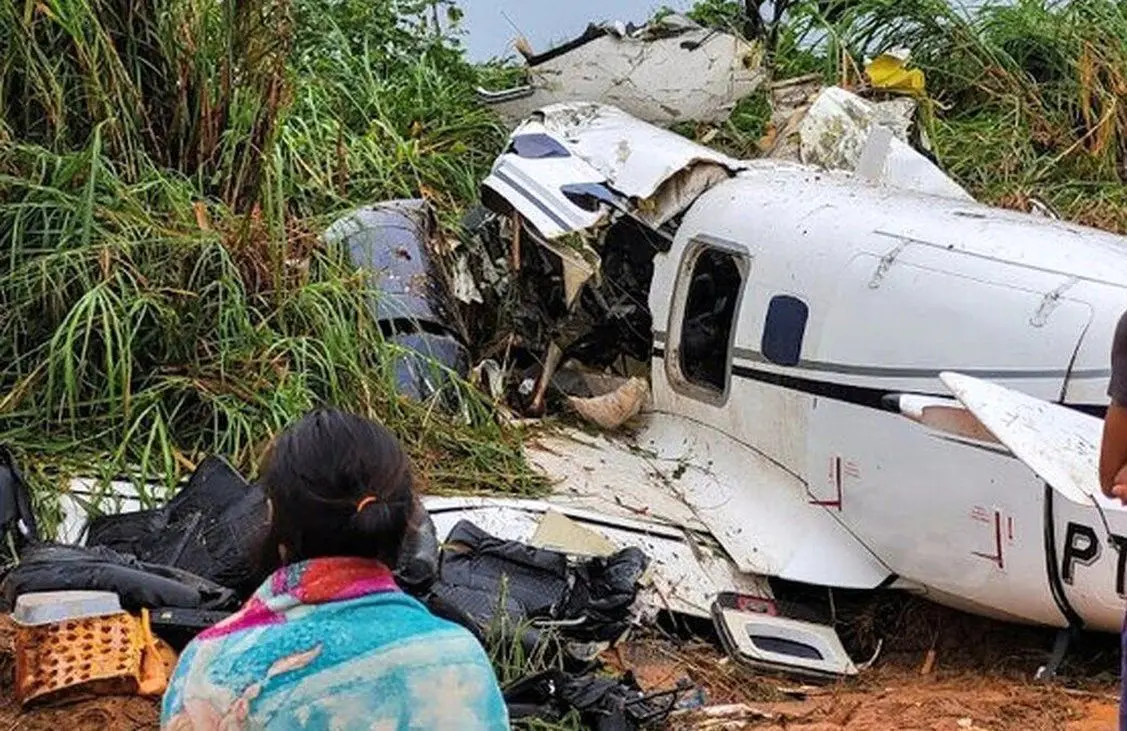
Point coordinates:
pixel 634 157
pixel 662 75
pixel 840 131
pixel 1061 445
pixel 901 287
pixel 605 475
pixel 532 186
pixel 686 571
pixel 1090 562
pixel 759 512
pixel 683 473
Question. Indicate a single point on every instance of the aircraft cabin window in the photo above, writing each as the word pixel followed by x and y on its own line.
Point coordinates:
pixel 710 310
pixel 784 329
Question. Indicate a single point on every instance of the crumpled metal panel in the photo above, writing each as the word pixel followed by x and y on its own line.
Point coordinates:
pixel 652 172
pixel 672 71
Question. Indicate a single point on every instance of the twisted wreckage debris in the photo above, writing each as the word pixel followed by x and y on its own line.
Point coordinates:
pixel 723 310
pixel 671 70
pixel 190 562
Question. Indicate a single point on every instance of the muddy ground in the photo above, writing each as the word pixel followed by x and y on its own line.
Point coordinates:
pixel 937 669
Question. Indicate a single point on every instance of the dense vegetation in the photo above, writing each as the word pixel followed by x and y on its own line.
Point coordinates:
pixel 1026 97
pixel 166 166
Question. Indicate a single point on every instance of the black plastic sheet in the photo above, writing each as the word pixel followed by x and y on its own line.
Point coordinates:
pixel 482 574
pixel 216 528
pixel 49 567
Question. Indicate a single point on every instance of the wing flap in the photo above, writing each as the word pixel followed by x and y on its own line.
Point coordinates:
pixel 1061 445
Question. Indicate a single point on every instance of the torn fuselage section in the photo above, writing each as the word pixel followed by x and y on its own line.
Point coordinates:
pixel 583 198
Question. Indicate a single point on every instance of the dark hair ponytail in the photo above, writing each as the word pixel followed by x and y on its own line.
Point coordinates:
pixel 380 527
pixel 339 485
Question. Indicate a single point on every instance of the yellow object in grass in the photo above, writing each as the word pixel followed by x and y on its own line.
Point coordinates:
pixel 890 72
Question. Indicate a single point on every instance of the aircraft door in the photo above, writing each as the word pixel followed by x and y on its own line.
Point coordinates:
pixel 960 517
pixel 703 321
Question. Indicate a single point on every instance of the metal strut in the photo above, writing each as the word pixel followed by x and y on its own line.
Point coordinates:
pixel 1061 645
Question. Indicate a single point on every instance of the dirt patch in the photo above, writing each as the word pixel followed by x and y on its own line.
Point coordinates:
pixel 905 702
pixel 979 676
pixel 983 685
pixel 894 697
pixel 101 714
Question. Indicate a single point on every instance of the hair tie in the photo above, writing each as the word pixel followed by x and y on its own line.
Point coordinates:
pixel 365 503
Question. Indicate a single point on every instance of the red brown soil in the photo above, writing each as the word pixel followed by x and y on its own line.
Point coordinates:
pixel 981 679
pixel 894 697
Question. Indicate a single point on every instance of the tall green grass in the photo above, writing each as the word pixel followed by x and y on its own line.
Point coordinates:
pixel 166 167
pixel 1027 97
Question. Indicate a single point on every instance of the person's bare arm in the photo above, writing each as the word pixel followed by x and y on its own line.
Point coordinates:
pixel 1113 446
pixel 1113 449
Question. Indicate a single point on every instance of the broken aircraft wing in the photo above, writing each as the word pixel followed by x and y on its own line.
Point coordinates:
pixel 1061 445
pixel 762 515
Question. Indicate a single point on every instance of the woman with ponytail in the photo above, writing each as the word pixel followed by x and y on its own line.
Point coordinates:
pixel 329 641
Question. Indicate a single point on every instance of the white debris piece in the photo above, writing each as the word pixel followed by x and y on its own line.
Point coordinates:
pixel 842 131
pixel 653 172
pixel 635 158
pixel 668 72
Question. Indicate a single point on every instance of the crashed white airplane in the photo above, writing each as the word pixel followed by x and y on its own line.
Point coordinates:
pixel 854 383
pixel 858 380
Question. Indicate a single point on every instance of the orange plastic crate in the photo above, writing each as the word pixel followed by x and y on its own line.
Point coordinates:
pixel 95 654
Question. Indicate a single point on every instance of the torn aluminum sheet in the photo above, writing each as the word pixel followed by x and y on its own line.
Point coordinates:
pixel 635 158
pixel 687 571
pixel 842 131
pixel 603 159
pixel 672 471
pixel 667 72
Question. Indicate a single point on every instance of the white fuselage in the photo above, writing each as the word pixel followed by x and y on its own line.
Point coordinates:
pixel 896 287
